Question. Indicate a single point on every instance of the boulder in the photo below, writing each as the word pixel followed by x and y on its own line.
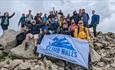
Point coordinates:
pixel 24 66
pixel 96 68
pixel 20 52
pixel 53 67
pixel 100 64
pixel 37 67
pixel 60 68
pixel 8 40
pixel 3 69
pixel 15 63
pixel 98 45
pixel 113 65
pixel 94 55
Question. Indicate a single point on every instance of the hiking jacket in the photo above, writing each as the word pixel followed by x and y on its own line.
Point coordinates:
pixel 4 17
pixel 95 19
pixel 85 18
pixel 22 20
pixel 33 29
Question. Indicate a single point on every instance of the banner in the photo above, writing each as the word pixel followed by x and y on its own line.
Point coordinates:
pixel 66 48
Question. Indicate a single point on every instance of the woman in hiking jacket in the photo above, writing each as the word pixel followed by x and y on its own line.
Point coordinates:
pixel 5 20
pixel 82 32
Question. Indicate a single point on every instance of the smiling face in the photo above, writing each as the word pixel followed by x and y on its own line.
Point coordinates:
pixel 80 24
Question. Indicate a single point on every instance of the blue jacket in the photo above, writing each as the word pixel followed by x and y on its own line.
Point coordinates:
pixel 76 18
pixel 85 18
pixel 95 19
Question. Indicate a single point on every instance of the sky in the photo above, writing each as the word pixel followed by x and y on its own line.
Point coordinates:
pixel 105 8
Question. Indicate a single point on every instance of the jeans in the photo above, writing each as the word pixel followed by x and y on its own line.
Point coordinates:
pixel 94 29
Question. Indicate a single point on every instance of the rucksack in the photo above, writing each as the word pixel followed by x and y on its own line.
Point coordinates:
pixel 20 38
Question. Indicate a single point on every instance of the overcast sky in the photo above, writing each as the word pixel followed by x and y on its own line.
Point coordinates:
pixel 105 8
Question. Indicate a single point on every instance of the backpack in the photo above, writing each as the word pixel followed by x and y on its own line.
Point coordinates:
pixel 20 38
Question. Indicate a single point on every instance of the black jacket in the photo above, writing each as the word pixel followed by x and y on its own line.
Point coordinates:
pixel 4 17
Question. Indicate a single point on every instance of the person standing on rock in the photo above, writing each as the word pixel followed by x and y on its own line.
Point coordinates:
pixel 94 22
pixel 32 33
pixel 85 18
pixel 22 21
pixel 29 17
pixel 5 20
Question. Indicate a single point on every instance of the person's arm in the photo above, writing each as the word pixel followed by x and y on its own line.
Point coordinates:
pixel 88 34
pixel 54 11
pixel 19 21
pixel 12 15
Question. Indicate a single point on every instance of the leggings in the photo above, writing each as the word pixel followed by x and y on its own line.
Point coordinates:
pixel 4 27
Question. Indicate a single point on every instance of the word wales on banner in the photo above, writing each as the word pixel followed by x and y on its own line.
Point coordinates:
pixel 65 48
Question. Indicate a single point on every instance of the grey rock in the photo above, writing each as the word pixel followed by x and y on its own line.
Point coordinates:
pixel 8 40
pixel 100 64
pixel 94 55
pixel 19 52
pixel 24 66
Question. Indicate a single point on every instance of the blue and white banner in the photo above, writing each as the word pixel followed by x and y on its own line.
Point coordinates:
pixel 66 48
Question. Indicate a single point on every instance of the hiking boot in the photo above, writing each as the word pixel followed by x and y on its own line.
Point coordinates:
pixel 26 46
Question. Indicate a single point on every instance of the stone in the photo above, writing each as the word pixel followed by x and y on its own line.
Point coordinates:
pixel 100 64
pixel 97 68
pixel 111 68
pixel 113 64
pixel 38 67
pixel 98 45
pixel 24 66
pixel 15 63
pixel 60 63
pixel 60 68
pixel 8 40
pixel 53 67
pixel 47 62
pixel 2 64
pixel 19 52
pixel 1 52
pixel 3 69
pixel 108 38
pixel 112 45
pixel 94 55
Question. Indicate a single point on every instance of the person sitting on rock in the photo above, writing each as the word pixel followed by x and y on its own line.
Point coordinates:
pixel 33 32
pixel 82 32
pixel 72 27
pixel 5 20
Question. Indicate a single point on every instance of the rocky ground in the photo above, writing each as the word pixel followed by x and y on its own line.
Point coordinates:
pixel 102 55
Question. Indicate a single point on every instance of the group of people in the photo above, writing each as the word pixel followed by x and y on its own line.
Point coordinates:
pixel 35 27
